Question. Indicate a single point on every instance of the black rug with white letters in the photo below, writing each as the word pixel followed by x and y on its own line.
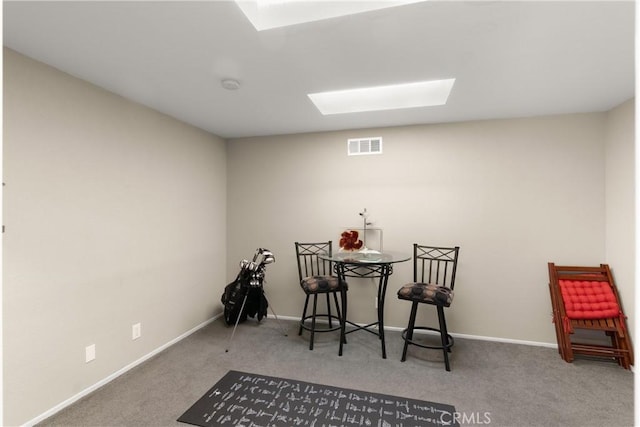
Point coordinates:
pixel 252 400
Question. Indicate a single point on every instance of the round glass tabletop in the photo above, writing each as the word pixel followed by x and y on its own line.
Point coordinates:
pixel 367 257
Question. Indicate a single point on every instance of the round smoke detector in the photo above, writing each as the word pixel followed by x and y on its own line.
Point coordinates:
pixel 230 84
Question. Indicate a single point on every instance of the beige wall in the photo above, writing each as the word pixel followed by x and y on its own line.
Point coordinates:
pixel 114 214
pixel 514 194
pixel 620 203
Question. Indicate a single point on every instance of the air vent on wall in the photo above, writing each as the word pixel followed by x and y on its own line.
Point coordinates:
pixel 359 146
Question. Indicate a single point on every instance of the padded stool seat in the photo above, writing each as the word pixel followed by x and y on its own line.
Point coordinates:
pixel 428 293
pixel 320 284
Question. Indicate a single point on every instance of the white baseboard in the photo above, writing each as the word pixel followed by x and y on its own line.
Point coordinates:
pixel 455 335
pixel 115 375
pixel 507 340
pixel 484 338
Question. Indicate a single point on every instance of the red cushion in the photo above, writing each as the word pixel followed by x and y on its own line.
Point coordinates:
pixel 588 299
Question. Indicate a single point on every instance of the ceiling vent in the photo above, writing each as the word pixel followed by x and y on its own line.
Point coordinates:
pixel 360 146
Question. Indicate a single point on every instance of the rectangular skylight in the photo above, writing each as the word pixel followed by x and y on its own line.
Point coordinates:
pixel 406 95
pixel 267 14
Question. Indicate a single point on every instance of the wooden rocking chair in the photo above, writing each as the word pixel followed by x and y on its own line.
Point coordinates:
pixel 587 298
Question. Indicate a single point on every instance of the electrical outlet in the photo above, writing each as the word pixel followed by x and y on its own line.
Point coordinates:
pixel 90 353
pixel 136 331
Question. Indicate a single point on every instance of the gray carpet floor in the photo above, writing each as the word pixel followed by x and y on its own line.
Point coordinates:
pixel 495 384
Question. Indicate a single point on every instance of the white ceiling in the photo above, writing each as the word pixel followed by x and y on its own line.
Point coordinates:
pixel 509 58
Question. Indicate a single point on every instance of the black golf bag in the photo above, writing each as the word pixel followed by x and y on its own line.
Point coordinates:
pixel 245 295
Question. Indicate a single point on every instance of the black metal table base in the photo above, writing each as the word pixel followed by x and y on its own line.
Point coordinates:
pixel 381 271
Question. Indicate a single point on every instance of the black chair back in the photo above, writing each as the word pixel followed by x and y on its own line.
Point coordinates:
pixel 309 262
pixel 436 265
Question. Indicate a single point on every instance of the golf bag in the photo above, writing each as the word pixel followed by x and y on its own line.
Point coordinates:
pixel 245 295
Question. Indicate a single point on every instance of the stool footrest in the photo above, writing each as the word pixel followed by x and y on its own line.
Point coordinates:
pixel 425 328
pixel 325 316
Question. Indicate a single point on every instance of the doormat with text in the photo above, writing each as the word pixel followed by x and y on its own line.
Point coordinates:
pixel 245 399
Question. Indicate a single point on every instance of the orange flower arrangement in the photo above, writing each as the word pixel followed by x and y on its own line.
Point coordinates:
pixel 349 241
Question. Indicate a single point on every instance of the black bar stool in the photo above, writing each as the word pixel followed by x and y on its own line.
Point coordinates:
pixel 316 278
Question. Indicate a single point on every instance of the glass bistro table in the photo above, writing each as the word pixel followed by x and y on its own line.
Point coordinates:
pixel 369 264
